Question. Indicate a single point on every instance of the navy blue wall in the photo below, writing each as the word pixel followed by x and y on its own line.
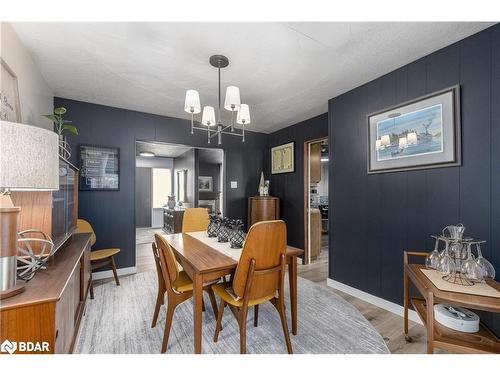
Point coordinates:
pixel 289 187
pixel 112 213
pixel 375 217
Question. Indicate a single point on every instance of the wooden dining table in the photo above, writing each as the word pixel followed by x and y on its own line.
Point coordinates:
pixel 204 263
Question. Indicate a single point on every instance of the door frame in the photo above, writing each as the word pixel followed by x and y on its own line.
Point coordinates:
pixel 307 190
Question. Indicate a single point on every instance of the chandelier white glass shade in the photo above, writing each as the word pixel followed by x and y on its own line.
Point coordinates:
pixel 208 117
pixel 232 102
pixel 212 118
pixel 192 103
pixel 243 115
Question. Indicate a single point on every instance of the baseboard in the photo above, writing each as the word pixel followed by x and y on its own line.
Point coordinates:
pixel 107 274
pixel 374 300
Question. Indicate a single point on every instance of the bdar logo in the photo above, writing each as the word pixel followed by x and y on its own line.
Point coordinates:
pixel 8 347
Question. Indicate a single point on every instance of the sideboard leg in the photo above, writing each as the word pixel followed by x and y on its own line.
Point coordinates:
pixel 430 322
pixel 405 312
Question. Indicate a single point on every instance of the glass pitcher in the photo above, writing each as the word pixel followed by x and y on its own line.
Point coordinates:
pixel 456 232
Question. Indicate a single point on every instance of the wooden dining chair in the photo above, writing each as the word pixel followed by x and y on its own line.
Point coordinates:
pixel 259 278
pixel 178 286
pixel 195 220
pixel 160 297
pixel 98 258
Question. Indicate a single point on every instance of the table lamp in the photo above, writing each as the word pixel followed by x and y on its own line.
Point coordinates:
pixel 29 161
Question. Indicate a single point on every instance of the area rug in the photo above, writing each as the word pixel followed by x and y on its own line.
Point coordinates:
pixel 118 320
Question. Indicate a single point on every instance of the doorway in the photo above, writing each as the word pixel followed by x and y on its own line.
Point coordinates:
pixel 168 179
pixel 316 161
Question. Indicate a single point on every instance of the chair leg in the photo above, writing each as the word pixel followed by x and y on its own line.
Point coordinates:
pixel 218 325
pixel 91 290
pixel 243 330
pixel 113 265
pixel 159 302
pixel 280 306
pixel 255 315
pixel 213 302
pixel 168 323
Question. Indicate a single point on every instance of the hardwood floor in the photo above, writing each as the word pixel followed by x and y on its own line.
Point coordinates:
pixel 389 325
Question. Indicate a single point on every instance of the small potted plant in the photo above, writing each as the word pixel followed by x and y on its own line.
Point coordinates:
pixel 60 126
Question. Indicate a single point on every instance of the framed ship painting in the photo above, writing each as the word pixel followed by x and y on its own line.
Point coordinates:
pixel 419 134
pixel 282 158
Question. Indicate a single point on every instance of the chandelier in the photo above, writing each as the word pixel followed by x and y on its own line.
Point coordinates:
pixel 232 103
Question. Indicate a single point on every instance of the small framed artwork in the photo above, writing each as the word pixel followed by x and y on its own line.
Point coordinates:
pixel 420 134
pixel 283 158
pixel 10 109
pixel 99 168
pixel 205 183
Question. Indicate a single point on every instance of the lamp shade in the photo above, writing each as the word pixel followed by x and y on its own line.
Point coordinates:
pixel 29 157
pixel 208 117
pixel 232 102
pixel 243 115
pixel 192 103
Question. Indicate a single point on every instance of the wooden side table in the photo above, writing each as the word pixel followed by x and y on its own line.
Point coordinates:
pixel 439 336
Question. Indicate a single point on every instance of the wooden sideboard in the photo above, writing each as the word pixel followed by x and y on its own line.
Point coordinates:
pixel 172 220
pixel 262 209
pixel 51 307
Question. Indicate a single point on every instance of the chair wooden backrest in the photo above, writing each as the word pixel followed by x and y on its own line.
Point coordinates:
pixel 168 264
pixel 83 226
pixel 161 281
pixel 263 255
pixel 195 220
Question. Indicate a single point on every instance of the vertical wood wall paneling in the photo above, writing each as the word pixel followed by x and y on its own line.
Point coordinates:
pixel 112 213
pixel 495 156
pixel 378 216
pixel 289 187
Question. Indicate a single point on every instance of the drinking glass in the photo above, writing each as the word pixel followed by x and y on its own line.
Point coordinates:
pixel 470 268
pixel 446 264
pixel 487 267
pixel 432 259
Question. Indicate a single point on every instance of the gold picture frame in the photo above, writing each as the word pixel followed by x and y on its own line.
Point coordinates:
pixel 10 108
pixel 283 158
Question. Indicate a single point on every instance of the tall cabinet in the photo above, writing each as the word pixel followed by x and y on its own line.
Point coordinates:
pixel 262 209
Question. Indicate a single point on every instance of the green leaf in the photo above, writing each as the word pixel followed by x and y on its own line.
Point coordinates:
pixel 71 129
pixel 51 117
pixel 60 111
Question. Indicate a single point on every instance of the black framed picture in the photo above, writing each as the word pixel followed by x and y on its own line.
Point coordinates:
pixel 419 134
pixel 99 167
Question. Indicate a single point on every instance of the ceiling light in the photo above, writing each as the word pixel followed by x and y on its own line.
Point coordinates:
pixel 232 103
pixel 147 154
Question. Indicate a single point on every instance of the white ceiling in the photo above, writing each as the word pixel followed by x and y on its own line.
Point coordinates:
pixel 286 72
pixel 163 150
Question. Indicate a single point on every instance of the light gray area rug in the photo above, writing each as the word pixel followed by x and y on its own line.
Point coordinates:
pixel 118 320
